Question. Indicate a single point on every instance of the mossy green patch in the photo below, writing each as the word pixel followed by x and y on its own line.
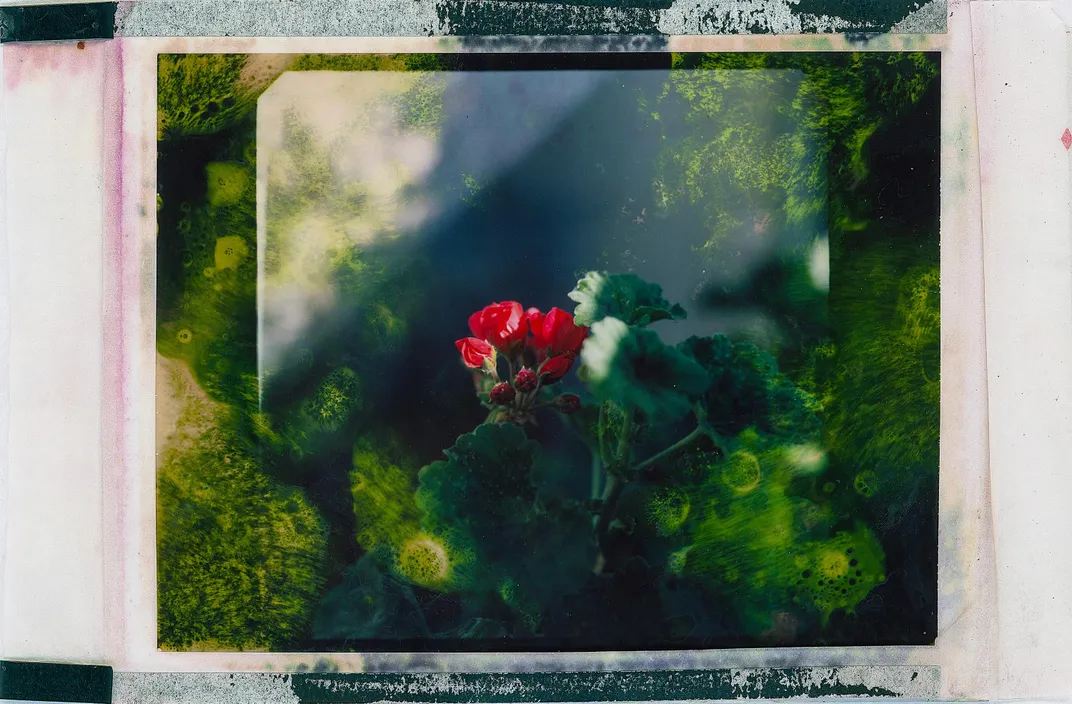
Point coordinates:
pixel 336 397
pixel 240 557
pixel 838 573
pixel 758 548
pixel 424 560
pixel 668 509
pixel 226 183
pixel 230 252
pixel 382 487
pixel 741 471
pixel 882 433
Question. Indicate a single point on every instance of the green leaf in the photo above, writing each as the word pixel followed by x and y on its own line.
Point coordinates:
pixel 627 297
pixel 483 494
pixel 484 483
pixel 633 367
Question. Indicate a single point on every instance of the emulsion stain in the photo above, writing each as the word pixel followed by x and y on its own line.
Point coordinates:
pixel 38 60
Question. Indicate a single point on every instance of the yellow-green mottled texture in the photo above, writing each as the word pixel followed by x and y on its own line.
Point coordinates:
pixel 427 561
pixel 388 522
pixel 240 557
pixel 886 379
pixel 383 486
pixel 757 546
pixel 667 510
pixel 336 398
pixel 212 324
pixel 200 94
pixel 226 182
pixel 439 559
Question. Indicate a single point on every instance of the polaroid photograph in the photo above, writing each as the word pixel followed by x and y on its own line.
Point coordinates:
pixel 547 352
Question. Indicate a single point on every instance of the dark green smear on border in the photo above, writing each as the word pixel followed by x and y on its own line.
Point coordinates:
pixel 47 682
pixel 580 17
pixel 489 17
pixel 773 683
pixel 37 23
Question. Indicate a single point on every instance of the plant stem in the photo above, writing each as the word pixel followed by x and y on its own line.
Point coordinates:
pixel 615 484
pixel 680 444
pixel 702 428
pixel 597 474
pixel 601 430
pixel 510 366
pixel 611 494
pixel 621 458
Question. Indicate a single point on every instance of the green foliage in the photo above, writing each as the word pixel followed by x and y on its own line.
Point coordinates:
pixel 827 107
pixel 738 514
pixel 369 604
pixel 634 368
pixel 746 389
pixel 241 557
pixel 369 62
pixel 624 296
pixel 484 493
pixel 321 237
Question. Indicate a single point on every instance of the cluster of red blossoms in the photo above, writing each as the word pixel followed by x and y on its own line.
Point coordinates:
pixel 539 349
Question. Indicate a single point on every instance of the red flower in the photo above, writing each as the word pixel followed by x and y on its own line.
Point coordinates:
pixel 475 352
pixel 526 381
pixel 500 324
pixel 502 394
pixel 567 403
pixel 556 367
pixel 557 334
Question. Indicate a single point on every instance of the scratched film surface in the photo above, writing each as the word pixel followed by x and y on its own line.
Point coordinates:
pixel 547 352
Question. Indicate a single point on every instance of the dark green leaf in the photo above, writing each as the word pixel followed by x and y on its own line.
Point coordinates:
pixel 634 368
pixel 485 491
pixel 369 604
pixel 624 296
pixel 747 389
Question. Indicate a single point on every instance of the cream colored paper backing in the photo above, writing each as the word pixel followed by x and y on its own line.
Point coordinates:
pixel 77 265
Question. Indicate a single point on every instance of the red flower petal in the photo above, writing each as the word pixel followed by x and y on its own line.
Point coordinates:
pixel 474 351
pixel 500 324
pixel 561 334
pixel 476 325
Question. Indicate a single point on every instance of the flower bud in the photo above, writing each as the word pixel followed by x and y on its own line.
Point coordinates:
pixel 526 381
pixel 567 403
pixel 502 394
pixel 476 353
pixel 556 367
